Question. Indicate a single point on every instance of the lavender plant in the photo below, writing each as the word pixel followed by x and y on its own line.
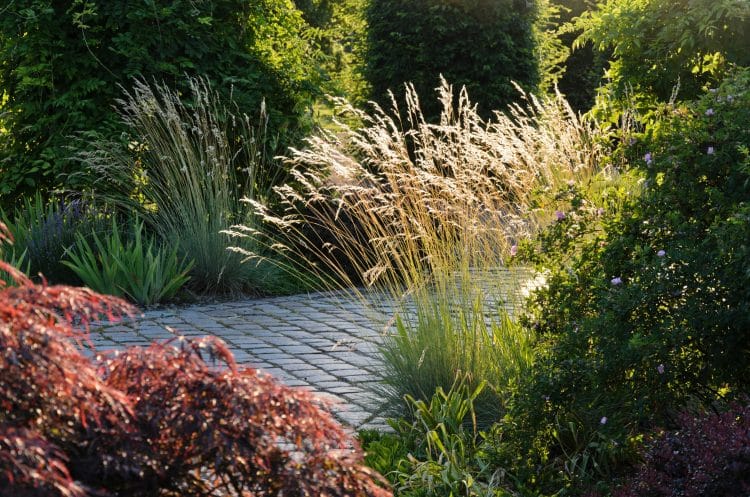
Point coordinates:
pixel 44 230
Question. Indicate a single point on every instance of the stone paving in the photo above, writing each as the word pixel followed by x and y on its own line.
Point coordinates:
pixel 326 342
pixel 323 342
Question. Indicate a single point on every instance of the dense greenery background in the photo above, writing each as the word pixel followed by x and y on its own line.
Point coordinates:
pixel 62 65
pixel 481 44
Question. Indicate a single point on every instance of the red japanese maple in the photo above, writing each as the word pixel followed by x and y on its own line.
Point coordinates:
pixel 176 418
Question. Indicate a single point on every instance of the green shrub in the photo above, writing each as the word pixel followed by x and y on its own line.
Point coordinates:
pixel 658 44
pixel 44 230
pixel 186 174
pixel 137 268
pixel 483 45
pixel 61 64
pixel 649 313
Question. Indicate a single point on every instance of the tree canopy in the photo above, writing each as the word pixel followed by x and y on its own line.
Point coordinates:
pixel 657 44
pixel 481 44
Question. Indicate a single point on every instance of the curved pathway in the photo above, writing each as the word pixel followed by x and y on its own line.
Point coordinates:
pixel 326 342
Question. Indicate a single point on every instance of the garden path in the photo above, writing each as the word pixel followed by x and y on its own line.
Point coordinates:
pixel 319 341
pixel 326 342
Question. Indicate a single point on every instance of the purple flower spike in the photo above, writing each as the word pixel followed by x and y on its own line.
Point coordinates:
pixel 616 281
pixel 710 151
pixel 710 112
pixel 513 250
pixel 603 420
pixel 648 158
pixel 661 253
pixel 560 215
pixel 660 368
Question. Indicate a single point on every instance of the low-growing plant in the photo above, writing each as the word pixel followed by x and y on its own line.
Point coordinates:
pixel 186 168
pixel 18 261
pixel 587 453
pixel 173 418
pixel 138 268
pixel 439 451
pixel 45 229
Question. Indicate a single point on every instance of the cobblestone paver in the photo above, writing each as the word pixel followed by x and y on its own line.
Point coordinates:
pixel 327 343
pixel 323 342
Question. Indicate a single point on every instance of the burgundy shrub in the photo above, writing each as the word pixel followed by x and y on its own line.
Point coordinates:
pixel 218 427
pixel 33 467
pixel 176 418
pixel 53 403
pixel 708 456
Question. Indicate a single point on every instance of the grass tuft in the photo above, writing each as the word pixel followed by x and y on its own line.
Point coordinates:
pixel 188 164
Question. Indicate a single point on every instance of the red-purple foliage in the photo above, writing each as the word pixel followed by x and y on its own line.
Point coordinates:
pixel 51 398
pixel 232 429
pixel 172 419
pixel 33 466
pixel 708 456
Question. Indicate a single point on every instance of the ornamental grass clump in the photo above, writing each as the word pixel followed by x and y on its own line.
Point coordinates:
pixel 424 213
pixel 189 162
